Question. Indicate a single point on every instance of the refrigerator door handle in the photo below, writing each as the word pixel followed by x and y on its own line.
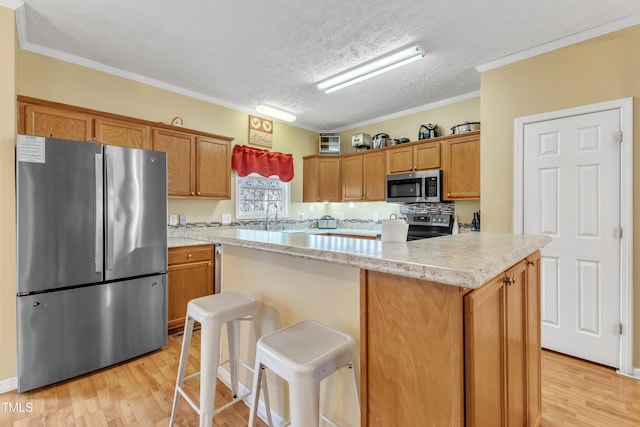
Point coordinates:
pixel 110 212
pixel 99 204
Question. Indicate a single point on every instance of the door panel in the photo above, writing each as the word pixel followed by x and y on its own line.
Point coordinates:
pixel 136 212
pixel 572 193
pixel 56 217
pixel 71 332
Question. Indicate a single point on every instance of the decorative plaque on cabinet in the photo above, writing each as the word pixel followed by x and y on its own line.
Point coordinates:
pixel 260 131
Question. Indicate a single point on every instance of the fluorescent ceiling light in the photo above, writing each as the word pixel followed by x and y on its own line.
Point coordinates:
pixel 371 69
pixel 276 113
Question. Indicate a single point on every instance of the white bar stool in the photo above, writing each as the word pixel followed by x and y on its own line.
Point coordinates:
pixel 212 311
pixel 302 354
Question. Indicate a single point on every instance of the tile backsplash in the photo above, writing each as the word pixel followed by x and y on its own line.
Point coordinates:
pixel 432 208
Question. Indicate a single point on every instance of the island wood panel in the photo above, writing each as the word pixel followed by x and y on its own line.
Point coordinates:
pixel 515 325
pixel 122 133
pixel 412 360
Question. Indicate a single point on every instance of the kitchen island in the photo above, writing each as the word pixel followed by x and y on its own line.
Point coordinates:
pixel 449 327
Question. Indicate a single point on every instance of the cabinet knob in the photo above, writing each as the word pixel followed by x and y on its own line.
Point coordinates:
pixel 192 193
pixel 189 255
pixel 510 281
pixel 531 262
pixel 198 193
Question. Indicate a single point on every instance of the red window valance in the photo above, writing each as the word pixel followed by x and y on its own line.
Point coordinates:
pixel 246 160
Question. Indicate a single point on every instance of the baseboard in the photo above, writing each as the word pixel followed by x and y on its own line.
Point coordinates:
pixel 635 373
pixel 8 385
pixel 225 377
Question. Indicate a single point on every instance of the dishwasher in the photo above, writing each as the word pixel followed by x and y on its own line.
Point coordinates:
pixel 217 268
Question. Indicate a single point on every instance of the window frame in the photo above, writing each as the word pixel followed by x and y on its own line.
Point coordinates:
pixel 283 207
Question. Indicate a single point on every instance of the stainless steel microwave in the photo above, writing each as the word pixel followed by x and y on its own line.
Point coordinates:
pixel 415 187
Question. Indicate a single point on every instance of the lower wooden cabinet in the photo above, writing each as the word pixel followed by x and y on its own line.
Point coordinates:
pixel 440 355
pixel 191 276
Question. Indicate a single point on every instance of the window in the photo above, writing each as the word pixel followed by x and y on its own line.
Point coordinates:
pixel 255 194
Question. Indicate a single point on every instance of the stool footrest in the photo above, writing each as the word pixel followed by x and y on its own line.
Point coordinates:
pixel 188 399
pixel 233 402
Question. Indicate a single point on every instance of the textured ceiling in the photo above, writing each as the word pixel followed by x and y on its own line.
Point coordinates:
pixel 242 52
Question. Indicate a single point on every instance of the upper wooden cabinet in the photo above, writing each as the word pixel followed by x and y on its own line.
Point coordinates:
pixel 461 167
pixel 423 156
pixel 122 133
pixel 363 176
pixel 181 156
pixel 213 166
pixel 197 166
pixel 321 179
pixel 41 120
pixel 198 163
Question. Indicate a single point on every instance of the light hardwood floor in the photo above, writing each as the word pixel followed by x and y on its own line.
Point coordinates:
pixel 140 393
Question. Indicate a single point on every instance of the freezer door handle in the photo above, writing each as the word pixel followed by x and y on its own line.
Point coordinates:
pixel 110 212
pixel 99 236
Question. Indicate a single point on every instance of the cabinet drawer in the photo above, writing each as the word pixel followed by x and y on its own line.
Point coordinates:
pixel 187 254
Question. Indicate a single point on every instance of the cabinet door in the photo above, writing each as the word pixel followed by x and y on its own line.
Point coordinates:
pixel 213 168
pixel 187 281
pixel 309 172
pixel 374 185
pixel 515 333
pixel 122 133
pixel 533 356
pixel 400 159
pixel 461 168
pixel 484 355
pixel 426 156
pixel 180 149
pixel 57 123
pixel 352 177
pixel 328 179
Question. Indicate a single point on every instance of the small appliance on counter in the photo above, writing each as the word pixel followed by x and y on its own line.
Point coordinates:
pixel 327 221
pixel 329 143
pixel 396 141
pixel 465 127
pixel 361 141
pixel 428 131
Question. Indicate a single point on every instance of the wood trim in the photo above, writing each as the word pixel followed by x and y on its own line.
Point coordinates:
pixel 364 391
pixel 104 114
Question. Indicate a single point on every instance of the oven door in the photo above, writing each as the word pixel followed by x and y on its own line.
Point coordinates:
pixel 406 187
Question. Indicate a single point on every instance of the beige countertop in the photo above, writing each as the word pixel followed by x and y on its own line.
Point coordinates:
pixel 174 242
pixel 468 260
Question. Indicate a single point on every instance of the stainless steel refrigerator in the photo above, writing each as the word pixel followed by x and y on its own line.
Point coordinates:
pixel 92 257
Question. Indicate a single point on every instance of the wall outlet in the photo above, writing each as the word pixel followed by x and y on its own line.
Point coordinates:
pixel 183 219
pixel 301 216
pixel 173 219
pixel 226 218
pixel 375 216
pixel 341 216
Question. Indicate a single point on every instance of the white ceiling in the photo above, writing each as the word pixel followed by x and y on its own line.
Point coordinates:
pixel 238 53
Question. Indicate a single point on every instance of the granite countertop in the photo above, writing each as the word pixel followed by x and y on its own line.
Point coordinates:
pixel 468 260
pixel 174 242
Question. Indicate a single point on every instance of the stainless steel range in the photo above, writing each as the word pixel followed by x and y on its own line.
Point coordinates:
pixel 423 226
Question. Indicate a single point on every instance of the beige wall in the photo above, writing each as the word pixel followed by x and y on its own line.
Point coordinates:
pixel 597 70
pixel 43 77
pixel 7 194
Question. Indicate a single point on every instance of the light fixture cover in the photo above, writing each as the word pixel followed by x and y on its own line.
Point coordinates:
pixel 371 69
pixel 276 113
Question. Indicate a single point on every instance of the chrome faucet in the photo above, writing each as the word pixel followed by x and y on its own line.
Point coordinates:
pixel 266 217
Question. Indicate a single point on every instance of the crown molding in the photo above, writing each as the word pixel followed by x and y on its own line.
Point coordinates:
pixel 560 43
pixel 430 106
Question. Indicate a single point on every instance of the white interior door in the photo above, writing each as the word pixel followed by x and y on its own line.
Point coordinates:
pixel 571 183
